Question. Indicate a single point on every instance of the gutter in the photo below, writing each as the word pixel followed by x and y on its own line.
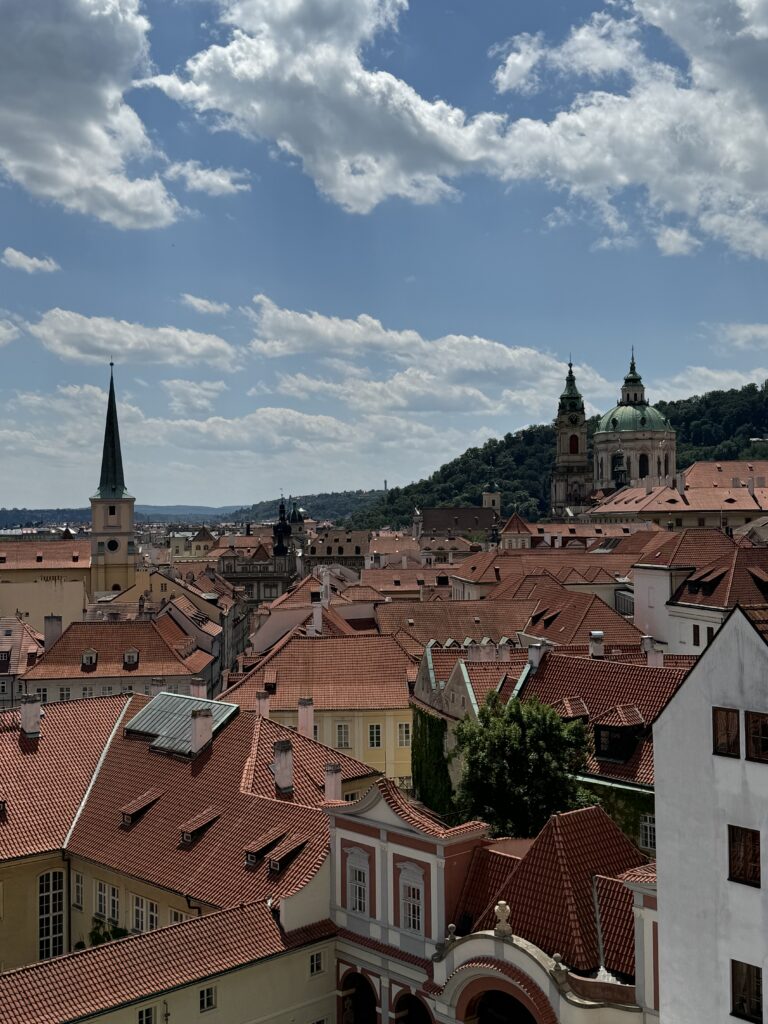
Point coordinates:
pixel 636 787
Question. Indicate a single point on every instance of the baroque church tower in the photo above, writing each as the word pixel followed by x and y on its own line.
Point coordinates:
pixel 572 475
pixel 113 545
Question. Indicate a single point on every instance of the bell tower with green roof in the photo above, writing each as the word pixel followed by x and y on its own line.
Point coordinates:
pixel 113 543
pixel 572 474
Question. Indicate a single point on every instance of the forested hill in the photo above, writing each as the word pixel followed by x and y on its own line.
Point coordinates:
pixel 714 426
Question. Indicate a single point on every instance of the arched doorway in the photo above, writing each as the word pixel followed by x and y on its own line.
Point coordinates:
pixel 496 1007
pixel 358 1001
pixel 410 1010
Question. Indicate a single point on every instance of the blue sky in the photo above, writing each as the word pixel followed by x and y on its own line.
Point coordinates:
pixel 329 242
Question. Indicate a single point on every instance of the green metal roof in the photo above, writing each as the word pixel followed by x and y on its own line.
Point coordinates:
pixel 632 418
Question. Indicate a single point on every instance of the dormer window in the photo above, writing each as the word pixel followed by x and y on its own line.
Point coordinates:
pixel 131 659
pixel 39 556
pixel 88 660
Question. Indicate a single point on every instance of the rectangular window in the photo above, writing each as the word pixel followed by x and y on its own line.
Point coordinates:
pixel 101 899
pixel 42 693
pixel 114 904
pixel 411 907
pixel 147 1016
pixel 207 998
pixel 106 691
pixel 746 991
pixel 710 634
pixel 316 963
pixel 647 839
pixel 77 890
pixel 152 915
pixel 87 691
pixel 64 693
pixel 374 735
pixel 315 732
pixel 342 734
pixel 743 855
pixel 696 635
pixel 177 916
pixel 725 732
pixel 50 919
pixel 404 734
pixel 756 727
pixel 357 886
pixel 143 914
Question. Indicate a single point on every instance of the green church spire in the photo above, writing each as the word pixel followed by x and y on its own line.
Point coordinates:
pixel 112 481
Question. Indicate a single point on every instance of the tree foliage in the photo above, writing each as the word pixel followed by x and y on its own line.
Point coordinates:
pixel 519 761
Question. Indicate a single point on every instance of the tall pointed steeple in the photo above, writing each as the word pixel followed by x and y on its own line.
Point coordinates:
pixel 112 480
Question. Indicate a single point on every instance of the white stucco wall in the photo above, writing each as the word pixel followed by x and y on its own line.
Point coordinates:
pixel 705 921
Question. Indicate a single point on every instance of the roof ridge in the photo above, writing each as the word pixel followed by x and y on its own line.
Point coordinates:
pixel 570 897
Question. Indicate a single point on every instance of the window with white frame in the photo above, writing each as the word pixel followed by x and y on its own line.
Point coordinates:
pixel 357 881
pixel 77 890
pixel 100 903
pixel 177 916
pixel 106 691
pixel 404 734
pixel 411 898
pixel 315 731
pixel 87 691
pixel 316 963
pixel 207 998
pixel 342 734
pixel 114 904
pixel 50 914
pixel 648 831
pixel 374 735
pixel 143 914
pixel 42 693
pixel 147 1015
pixel 64 693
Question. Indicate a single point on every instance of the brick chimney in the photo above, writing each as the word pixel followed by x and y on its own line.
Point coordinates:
pixel 332 782
pixel 283 766
pixel 596 645
pixel 51 630
pixel 30 716
pixel 262 703
pixel 306 717
pixel 198 688
pixel 202 729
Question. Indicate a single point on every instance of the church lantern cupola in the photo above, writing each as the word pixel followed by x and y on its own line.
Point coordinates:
pixel 281 532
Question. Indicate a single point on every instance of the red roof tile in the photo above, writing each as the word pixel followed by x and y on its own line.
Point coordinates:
pixel 457 620
pixel 738 577
pixel 22 644
pixel 44 555
pixel 617 923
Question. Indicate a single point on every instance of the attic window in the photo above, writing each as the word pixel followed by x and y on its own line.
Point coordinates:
pixel 315 597
pixel 419 581
pixel 286 853
pixel 75 556
pixel 194 828
pixel 39 556
pixel 396 581
pixel 3 556
pixel 3 808
pixel 409 621
pixel 256 852
pixel 442 581
pixel 131 658
pixel 135 808
pixel 88 660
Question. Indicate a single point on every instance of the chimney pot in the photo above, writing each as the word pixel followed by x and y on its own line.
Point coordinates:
pixel 262 703
pixel 283 766
pixel 596 645
pixel 202 729
pixel 307 717
pixel 30 716
pixel 332 782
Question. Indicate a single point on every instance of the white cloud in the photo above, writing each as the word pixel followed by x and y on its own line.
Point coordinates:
pixel 8 331
pixel 676 241
pixel 215 181
pixel 203 305
pixel 697 380
pixel 192 396
pixel 743 336
pixel 97 339
pixel 694 148
pixel 66 133
pixel 17 260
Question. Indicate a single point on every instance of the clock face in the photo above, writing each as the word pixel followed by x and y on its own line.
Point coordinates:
pixel 574 419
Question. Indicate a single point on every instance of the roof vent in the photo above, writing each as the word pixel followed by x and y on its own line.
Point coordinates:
pixel 194 828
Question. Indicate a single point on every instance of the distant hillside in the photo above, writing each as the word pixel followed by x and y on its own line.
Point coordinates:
pixel 335 506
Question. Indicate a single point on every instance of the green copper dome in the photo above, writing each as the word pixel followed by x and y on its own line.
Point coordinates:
pixel 632 418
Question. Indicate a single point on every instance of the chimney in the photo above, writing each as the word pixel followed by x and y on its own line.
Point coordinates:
pixel 596 646
pixel 51 630
pixel 648 485
pixel 332 782
pixel 202 729
pixel 497 573
pixel 283 766
pixel 247 529
pixel 198 688
pixel 30 716
pixel 224 679
pixel 751 486
pixel 655 659
pixel 307 717
pixel 450 557
pixel 646 644
pixel 535 652
pixel 404 561
pixel 262 703
pixel 317 620
pixel 325 598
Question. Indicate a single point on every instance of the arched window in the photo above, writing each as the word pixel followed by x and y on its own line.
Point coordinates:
pixel 643 466
pixel 573 445
pixel 50 914
pixel 666 465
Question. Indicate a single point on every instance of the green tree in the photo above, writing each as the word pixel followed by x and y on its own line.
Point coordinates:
pixel 519 762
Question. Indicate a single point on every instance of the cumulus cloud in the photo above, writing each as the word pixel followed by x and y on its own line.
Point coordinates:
pixel 95 339
pixel 215 181
pixel 203 305
pixel 17 260
pixel 693 145
pixel 191 396
pixel 8 331
pixel 743 336
pixel 66 133
pixel 676 241
pixel 698 380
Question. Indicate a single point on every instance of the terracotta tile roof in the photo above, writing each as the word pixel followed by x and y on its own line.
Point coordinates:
pixel 363 592
pixel 714 474
pixel 617 924
pixel 550 890
pixel 111 640
pixel 457 519
pixel 645 874
pixel 488 872
pixel 150 848
pixel 692 547
pixel 481 568
pixel 422 818
pixel 21 643
pixel 393 579
pixel 668 501
pixel 457 620
pixel 200 619
pixel 44 555
pixel 349 672
pixel 485 677
pixel 74 987
pixel 621 715
pixel 300 595
pixel 309 761
pixel 52 772
pixel 393 543
pixel 570 617
pixel 738 577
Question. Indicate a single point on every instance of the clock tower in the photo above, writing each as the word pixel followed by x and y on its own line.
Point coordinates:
pixel 572 475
